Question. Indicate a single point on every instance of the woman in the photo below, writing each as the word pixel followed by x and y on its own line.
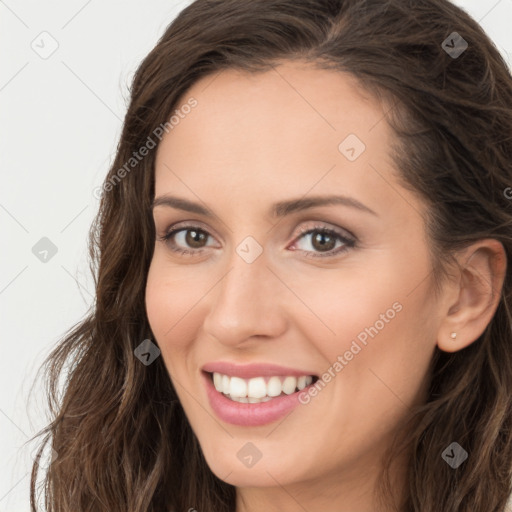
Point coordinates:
pixel 302 292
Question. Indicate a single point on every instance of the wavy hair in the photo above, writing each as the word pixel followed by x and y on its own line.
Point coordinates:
pixel 122 439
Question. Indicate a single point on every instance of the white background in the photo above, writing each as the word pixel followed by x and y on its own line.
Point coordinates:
pixel 59 125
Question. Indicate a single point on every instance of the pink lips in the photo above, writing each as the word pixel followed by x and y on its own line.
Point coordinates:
pixel 252 370
pixel 246 414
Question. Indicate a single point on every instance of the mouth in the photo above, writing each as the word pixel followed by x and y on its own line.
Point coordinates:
pixel 254 395
pixel 259 389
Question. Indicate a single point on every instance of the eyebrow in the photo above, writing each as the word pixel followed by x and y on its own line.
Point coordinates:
pixel 279 209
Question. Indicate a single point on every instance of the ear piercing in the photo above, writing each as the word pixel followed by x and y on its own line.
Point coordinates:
pixel 453 335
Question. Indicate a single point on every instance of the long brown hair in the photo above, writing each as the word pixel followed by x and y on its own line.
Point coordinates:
pixel 122 440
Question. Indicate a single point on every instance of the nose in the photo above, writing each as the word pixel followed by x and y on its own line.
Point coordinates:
pixel 248 302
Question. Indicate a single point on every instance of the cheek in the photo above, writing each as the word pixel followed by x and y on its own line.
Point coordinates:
pixel 170 301
pixel 375 327
pixel 339 306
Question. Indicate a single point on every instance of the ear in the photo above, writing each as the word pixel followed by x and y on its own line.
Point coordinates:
pixel 473 295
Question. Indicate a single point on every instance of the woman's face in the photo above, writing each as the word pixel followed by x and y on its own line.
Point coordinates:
pixel 267 299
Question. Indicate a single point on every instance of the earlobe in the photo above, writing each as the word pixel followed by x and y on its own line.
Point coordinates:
pixel 477 291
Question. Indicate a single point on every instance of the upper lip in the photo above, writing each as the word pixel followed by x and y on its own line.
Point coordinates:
pixel 248 371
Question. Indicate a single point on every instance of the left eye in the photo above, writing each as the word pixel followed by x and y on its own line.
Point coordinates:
pixel 323 242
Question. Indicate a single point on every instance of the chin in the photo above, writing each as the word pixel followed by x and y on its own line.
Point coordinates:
pixel 228 464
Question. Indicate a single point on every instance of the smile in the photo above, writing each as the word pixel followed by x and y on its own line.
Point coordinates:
pixel 253 395
pixel 259 389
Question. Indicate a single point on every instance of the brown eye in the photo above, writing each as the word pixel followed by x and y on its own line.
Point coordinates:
pixel 324 242
pixel 186 240
pixel 195 238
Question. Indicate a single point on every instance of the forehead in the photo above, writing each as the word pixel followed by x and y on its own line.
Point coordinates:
pixel 285 130
pixel 324 103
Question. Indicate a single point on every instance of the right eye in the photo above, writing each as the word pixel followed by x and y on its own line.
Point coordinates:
pixel 186 236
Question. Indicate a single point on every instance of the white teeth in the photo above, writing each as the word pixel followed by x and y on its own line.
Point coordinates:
pixel 289 385
pixel 225 384
pixel 217 381
pixel 242 399
pixel 250 400
pixel 237 387
pixel 274 387
pixel 257 389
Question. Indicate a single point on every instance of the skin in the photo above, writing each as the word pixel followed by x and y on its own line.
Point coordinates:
pixel 254 140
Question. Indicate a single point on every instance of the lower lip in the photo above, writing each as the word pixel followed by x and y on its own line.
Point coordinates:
pixel 250 415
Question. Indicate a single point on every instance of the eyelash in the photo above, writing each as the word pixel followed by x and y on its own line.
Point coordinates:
pixel 348 243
